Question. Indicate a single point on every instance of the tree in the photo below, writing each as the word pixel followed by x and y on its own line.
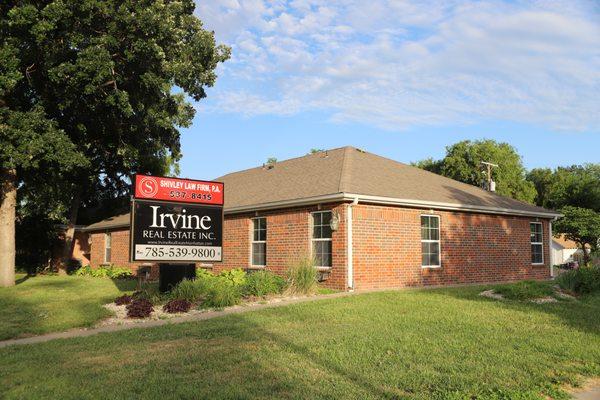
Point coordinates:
pixel 541 179
pixel 431 165
pixel 463 163
pixel 581 225
pixel 107 78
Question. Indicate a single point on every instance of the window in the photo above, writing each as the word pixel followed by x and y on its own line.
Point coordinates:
pixel 430 241
pixel 537 244
pixel 259 242
pixel 321 238
pixel 107 247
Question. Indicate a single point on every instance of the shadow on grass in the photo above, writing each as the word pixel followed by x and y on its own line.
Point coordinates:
pixel 581 314
pixel 21 280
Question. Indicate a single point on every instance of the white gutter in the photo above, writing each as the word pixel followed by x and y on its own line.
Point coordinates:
pixel 350 244
pixel 389 201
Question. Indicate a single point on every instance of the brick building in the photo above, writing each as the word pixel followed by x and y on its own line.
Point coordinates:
pixel 369 221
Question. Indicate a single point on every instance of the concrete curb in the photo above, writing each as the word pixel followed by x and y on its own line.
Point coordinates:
pixel 83 332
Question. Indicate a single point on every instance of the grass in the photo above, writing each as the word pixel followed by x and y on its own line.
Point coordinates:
pixel 43 304
pixel 413 344
pixel 525 290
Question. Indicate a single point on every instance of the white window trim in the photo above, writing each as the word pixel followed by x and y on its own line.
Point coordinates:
pixel 439 241
pixel 252 241
pixel 540 243
pixel 312 239
pixel 106 236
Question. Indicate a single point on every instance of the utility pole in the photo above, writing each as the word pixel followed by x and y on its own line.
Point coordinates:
pixel 489 175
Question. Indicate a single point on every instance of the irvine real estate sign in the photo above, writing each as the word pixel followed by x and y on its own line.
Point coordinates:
pixel 176 220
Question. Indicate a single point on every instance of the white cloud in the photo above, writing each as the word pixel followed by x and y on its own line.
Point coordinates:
pixel 396 64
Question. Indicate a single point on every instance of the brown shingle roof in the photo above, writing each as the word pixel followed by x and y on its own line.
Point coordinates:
pixel 343 173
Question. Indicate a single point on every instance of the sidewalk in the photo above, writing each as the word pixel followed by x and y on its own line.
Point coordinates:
pixel 83 332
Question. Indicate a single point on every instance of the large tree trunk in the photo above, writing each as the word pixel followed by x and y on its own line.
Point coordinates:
pixel 70 232
pixel 8 203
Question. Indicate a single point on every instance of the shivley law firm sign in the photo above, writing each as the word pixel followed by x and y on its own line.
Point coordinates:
pixel 176 220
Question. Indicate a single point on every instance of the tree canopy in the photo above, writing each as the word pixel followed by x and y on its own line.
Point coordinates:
pixel 463 163
pixel 98 89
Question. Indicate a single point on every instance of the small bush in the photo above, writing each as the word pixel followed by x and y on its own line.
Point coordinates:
pixel 302 276
pixel 263 283
pixel 177 306
pixel 139 308
pixel 121 300
pixel 193 291
pixel 583 280
pixel 525 290
pixel 110 271
pixel 222 293
pixel 236 276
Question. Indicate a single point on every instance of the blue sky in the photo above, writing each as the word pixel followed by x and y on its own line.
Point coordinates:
pixel 398 78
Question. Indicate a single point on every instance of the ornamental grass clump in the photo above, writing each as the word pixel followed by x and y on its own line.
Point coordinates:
pixel 222 293
pixel 263 283
pixel 139 308
pixel 302 276
pixel 177 306
pixel 584 280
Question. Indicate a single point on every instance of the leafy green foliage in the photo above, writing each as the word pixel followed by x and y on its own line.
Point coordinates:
pixel 584 280
pixel 577 186
pixel 302 276
pixel 463 163
pixel 581 225
pixel 193 291
pixel 92 91
pixel 105 271
pixel 222 293
pixel 263 283
pixel 177 306
pixel 139 308
pixel 236 276
pixel 525 290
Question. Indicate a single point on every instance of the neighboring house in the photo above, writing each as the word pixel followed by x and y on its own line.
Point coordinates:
pixel 565 250
pixel 394 225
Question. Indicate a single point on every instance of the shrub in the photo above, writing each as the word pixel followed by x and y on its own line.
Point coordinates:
pixel 263 283
pixel 583 280
pixel 236 276
pixel 177 306
pixel 190 290
pixel 222 293
pixel 121 300
pixel 105 271
pixel 302 276
pixel 139 308
pixel 525 290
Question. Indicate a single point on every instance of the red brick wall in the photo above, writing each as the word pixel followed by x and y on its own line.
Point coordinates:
pixel 387 246
pixel 474 248
pixel 288 237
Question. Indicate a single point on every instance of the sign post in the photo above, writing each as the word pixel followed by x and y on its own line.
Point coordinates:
pixel 176 221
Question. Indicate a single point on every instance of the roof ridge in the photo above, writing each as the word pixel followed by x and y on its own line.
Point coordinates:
pixel 345 171
pixel 286 160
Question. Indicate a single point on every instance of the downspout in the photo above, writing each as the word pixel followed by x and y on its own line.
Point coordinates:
pixel 550 251
pixel 349 244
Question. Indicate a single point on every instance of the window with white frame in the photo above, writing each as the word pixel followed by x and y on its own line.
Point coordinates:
pixel 107 246
pixel 430 241
pixel 259 242
pixel 321 238
pixel 537 243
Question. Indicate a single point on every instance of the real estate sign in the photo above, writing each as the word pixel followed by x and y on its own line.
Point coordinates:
pixel 176 220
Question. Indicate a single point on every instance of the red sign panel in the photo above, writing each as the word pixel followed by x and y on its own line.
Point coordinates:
pixel 179 190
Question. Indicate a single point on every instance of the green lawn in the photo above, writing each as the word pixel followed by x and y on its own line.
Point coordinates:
pixel 44 304
pixel 423 344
